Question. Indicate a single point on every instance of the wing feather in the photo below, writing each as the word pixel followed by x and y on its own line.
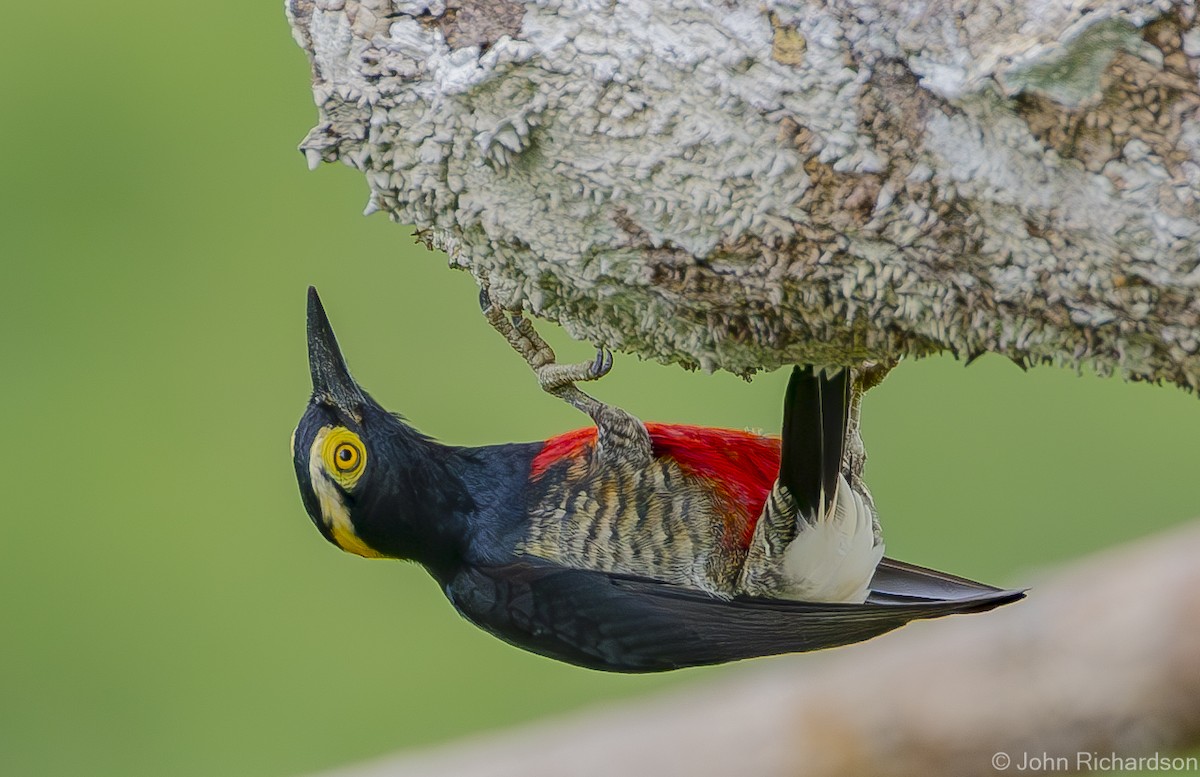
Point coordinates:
pixel 628 624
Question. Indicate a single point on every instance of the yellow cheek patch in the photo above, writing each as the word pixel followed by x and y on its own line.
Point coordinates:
pixel 347 540
pixel 321 467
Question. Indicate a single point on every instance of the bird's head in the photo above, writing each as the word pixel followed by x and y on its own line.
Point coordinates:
pixel 347 450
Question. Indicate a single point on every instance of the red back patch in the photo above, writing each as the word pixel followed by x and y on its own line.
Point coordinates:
pixel 740 467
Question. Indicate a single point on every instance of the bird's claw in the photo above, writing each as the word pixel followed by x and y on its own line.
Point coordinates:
pixel 521 335
pixel 603 363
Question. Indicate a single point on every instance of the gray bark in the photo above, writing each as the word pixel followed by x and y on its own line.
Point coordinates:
pixel 739 185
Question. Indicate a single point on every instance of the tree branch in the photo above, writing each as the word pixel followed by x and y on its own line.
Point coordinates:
pixel 742 185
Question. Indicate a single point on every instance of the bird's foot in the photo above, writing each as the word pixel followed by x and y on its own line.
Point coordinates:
pixel 555 376
pixel 552 376
pixel 519 333
pixel 619 432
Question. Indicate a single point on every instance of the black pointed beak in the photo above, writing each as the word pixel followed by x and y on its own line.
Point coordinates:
pixel 331 379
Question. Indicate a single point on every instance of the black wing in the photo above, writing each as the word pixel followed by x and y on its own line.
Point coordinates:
pixel 627 624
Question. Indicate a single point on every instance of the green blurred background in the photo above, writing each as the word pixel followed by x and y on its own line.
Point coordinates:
pixel 167 607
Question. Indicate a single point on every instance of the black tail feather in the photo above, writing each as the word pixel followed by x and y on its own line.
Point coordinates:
pixel 815 419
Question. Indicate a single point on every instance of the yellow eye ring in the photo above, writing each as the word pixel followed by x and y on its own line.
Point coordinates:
pixel 345 456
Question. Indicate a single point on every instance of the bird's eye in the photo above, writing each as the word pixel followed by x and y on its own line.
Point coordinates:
pixel 345 456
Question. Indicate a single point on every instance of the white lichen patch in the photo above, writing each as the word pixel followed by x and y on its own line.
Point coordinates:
pixel 737 185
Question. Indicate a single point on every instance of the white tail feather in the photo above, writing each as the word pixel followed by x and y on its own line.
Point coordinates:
pixel 833 559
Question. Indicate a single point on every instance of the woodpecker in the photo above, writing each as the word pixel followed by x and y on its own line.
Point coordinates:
pixel 624 546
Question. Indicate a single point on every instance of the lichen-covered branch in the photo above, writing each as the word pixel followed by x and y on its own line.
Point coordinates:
pixel 1103 660
pixel 740 185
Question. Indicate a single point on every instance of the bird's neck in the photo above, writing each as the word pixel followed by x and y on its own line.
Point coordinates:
pixel 421 511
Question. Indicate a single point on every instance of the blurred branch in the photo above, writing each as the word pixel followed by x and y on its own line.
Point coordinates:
pixel 1103 657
